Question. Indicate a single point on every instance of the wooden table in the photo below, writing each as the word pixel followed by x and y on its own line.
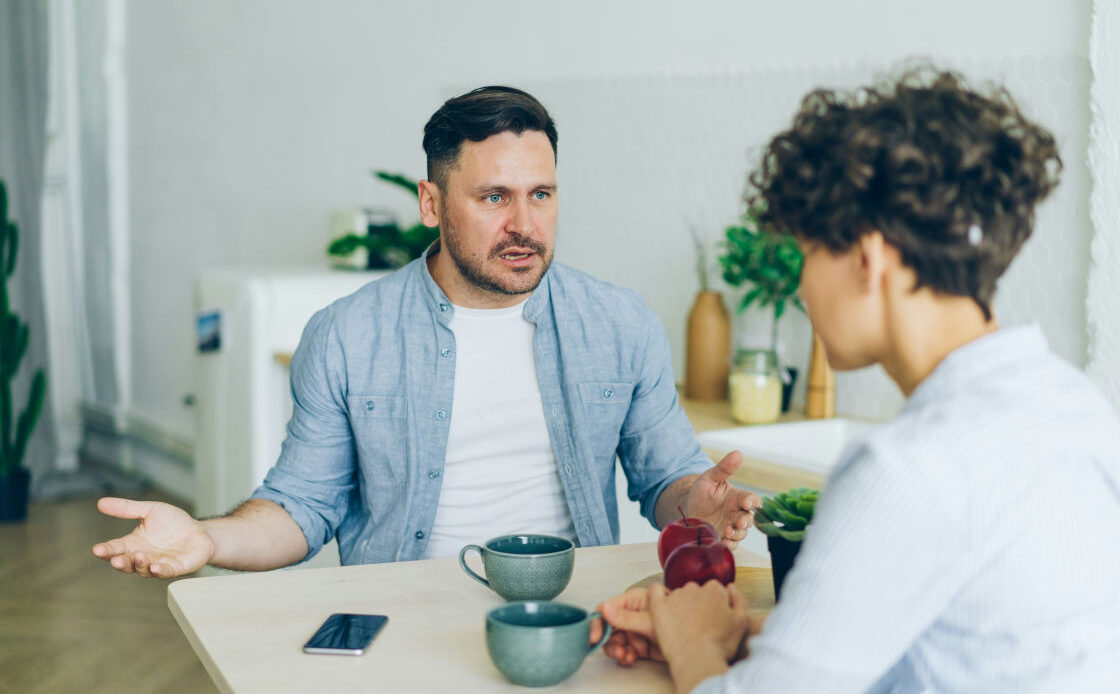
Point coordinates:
pixel 248 629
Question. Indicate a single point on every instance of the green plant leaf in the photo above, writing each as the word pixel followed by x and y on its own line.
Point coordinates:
pixel 788 519
pixel 792 536
pixel 345 245
pixel 12 251
pixel 29 417
pixel 763 260
pixel 400 180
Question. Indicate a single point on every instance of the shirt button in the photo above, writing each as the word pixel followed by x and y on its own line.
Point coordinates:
pixel 567 470
pixel 608 393
pixel 433 474
pixel 444 352
pixel 443 307
pixel 440 414
pixel 369 405
pixel 419 534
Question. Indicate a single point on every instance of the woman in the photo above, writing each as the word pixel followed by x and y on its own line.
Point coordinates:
pixel 971 544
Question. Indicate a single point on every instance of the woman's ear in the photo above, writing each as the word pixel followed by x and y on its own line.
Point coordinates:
pixel 873 261
pixel 429 203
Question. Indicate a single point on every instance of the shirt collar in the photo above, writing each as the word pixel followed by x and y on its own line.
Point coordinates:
pixel 975 359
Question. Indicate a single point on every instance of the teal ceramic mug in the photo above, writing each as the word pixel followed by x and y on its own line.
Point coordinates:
pixel 539 644
pixel 523 567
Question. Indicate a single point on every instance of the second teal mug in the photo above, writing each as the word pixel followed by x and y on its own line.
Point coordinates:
pixel 539 644
pixel 523 567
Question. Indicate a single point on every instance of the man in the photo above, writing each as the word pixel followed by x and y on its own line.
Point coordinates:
pixel 970 544
pixel 481 390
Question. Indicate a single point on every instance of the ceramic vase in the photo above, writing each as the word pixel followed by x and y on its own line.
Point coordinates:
pixel 707 348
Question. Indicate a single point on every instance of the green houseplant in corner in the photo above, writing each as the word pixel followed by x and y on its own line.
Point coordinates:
pixel 389 245
pixel 783 519
pixel 14 478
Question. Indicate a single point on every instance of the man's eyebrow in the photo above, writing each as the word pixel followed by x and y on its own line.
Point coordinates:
pixel 498 188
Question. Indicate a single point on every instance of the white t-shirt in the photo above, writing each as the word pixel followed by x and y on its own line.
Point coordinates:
pixel 500 474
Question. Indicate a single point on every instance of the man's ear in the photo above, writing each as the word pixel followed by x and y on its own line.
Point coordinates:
pixel 429 203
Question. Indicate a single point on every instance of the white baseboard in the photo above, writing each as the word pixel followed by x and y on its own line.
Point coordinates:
pixel 131 444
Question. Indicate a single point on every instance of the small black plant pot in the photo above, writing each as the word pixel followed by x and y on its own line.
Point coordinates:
pixel 13 495
pixel 782 554
pixel 787 386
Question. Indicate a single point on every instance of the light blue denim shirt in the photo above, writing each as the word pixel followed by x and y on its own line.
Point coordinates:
pixel 372 390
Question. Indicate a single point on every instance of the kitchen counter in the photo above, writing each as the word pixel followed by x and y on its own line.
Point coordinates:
pixel 762 475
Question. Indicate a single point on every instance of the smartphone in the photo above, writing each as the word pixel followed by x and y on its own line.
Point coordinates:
pixel 345 634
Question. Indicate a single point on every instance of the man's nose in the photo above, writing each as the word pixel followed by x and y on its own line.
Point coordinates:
pixel 520 218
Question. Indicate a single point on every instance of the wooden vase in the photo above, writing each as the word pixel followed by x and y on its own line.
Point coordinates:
pixel 820 388
pixel 707 348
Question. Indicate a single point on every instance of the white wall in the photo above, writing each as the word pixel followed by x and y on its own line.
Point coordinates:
pixel 249 120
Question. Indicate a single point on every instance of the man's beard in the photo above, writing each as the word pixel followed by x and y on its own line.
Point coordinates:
pixel 524 280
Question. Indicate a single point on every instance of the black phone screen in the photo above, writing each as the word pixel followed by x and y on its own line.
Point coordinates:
pixel 347 634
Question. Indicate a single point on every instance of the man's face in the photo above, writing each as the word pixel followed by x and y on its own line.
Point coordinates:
pixel 497 218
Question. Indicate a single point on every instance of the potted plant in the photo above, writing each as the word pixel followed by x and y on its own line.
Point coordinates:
pixel 783 519
pixel 388 245
pixel 14 478
pixel 770 265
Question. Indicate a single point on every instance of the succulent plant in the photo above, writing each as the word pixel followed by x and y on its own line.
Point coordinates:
pixel 788 514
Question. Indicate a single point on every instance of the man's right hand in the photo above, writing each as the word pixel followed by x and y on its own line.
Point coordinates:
pixel 166 543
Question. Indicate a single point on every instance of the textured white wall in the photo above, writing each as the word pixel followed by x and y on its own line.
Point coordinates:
pixel 250 120
pixel 1104 158
pixel 647 157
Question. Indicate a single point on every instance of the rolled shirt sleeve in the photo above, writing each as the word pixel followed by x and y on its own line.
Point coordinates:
pixel 657 444
pixel 314 476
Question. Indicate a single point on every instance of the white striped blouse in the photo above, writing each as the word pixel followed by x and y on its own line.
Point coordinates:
pixel 972 544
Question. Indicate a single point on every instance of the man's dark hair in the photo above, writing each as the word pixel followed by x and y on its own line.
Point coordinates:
pixel 475 116
pixel 948 175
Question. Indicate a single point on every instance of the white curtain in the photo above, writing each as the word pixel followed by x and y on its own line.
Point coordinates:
pixel 23 117
pixel 1104 202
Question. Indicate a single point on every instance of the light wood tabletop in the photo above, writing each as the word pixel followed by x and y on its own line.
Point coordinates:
pixel 248 629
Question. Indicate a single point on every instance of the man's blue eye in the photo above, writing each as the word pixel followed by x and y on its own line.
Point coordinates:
pixel 494 197
pixel 540 195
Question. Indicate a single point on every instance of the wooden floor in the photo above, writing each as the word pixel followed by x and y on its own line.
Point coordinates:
pixel 70 623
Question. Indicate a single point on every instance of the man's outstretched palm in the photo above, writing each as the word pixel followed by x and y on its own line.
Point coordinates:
pixel 713 499
pixel 166 543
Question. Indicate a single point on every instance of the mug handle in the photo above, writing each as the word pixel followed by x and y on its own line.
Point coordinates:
pixel 470 572
pixel 603 638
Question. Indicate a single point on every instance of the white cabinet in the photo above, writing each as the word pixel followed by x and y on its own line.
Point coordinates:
pixel 243 395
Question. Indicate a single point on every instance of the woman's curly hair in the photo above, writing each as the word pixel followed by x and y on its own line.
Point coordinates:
pixel 923 160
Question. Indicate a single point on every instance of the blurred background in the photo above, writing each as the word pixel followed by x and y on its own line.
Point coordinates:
pixel 189 152
pixel 177 170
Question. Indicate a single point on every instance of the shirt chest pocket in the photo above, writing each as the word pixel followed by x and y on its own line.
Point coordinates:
pixel 380 428
pixel 605 406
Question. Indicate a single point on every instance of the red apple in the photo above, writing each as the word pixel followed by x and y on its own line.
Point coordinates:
pixel 699 561
pixel 681 532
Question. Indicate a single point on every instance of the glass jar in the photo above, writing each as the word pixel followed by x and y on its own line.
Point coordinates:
pixel 755 387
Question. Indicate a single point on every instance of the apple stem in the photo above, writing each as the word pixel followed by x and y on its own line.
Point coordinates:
pixel 684 518
pixel 699 537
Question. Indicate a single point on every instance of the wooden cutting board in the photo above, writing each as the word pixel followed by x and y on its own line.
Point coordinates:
pixel 757 583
